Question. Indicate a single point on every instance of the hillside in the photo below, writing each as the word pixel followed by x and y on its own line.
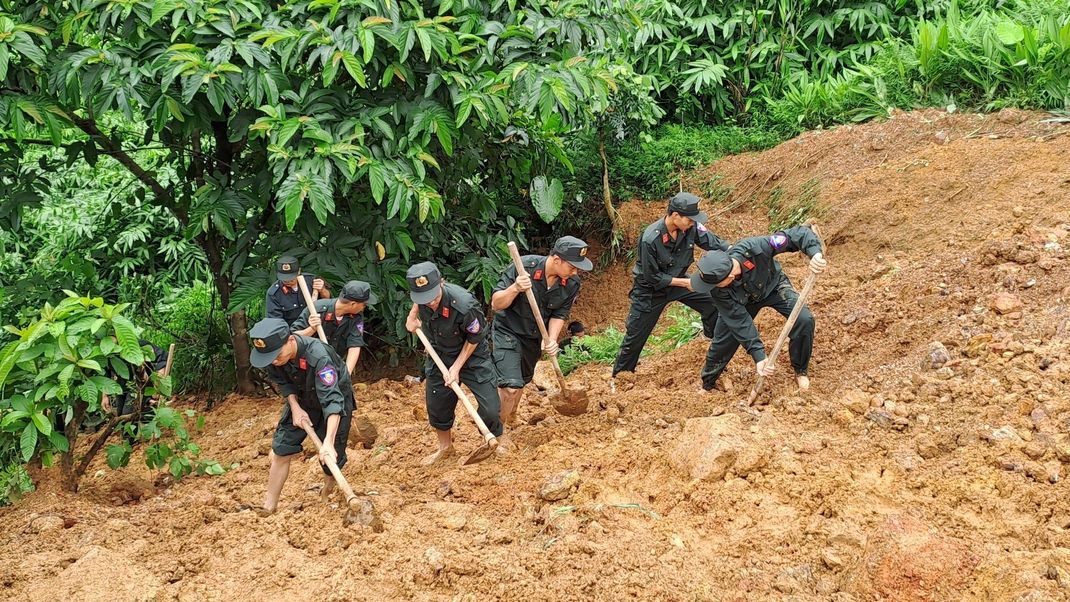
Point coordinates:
pixel 906 473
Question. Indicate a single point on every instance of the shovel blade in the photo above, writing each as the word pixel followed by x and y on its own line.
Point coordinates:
pixel 480 454
pixel 361 511
pixel 571 402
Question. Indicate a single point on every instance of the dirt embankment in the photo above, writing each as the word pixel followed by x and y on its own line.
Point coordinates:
pixel 928 462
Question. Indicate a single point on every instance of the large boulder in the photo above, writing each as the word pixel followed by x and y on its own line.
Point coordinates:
pixel 709 447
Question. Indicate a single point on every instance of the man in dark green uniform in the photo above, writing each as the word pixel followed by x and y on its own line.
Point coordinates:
pixel 342 320
pixel 284 299
pixel 318 393
pixel 666 250
pixel 457 329
pixel 742 281
pixel 555 282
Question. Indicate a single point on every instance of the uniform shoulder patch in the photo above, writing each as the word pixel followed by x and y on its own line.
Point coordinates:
pixel 329 316
pixel 778 240
pixel 474 327
pixel 302 364
pixel 665 238
pixel 701 227
pixel 445 312
pixel 538 275
pixel 360 326
pixel 328 376
pixel 748 264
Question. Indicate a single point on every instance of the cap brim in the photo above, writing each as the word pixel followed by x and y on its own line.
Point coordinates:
pixel 584 264
pixel 700 217
pixel 372 299
pixel 285 277
pixel 424 297
pixel 262 359
pixel 699 285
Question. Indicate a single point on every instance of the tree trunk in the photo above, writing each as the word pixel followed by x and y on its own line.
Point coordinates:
pixel 70 476
pixel 607 194
pixel 243 370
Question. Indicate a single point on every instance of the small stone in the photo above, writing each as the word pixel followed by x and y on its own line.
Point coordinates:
pixel 1004 303
pixel 537 417
pixel 1006 433
pixel 936 356
pixel 560 486
pixel 945 373
pixel 1059 575
pixel 501 536
pixel 1034 450
pixel 843 416
pixel 928 448
pixel 620 434
pixel 808 445
pixel 832 558
pixel 885 420
pixel 1018 211
pixel 856 401
pixel 595 527
pixel 435 560
pixel 46 523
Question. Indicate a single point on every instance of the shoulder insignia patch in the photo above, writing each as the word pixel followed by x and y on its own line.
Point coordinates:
pixel 302 364
pixel 474 327
pixel 538 275
pixel 327 376
pixel 748 264
pixel 665 238
pixel 778 240
pixel 360 326
pixel 329 316
pixel 701 227
pixel 445 312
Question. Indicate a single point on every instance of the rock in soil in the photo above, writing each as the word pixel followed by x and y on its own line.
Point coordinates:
pixel 363 432
pixel 560 486
pixel 708 447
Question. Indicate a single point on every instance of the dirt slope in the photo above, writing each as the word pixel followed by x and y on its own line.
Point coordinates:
pixel 906 473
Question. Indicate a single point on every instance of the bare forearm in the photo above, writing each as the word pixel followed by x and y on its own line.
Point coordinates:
pixel 556 325
pixel 332 429
pixel 352 355
pixel 466 352
pixel 505 297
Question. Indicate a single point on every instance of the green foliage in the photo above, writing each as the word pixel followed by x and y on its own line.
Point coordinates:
pixel 983 60
pixel 652 168
pixel 59 367
pixel 684 325
pixel 786 213
pixel 192 319
pixel 14 483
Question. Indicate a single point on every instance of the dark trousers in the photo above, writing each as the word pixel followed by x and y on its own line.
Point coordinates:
pixel 643 315
pixel 724 344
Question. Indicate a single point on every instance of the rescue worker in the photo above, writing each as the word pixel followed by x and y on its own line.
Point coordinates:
pixel 666 251
pixel 284 299
pixel 743 280
pixel 457 329
pixel 517 341
pixel 317 393
pixel 342 320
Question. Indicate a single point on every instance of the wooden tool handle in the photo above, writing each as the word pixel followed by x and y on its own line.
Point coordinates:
pixel 311 305
pixel 170 360
pixel 331 466
pixel 530 294
pixel 792 318
pixel 467 403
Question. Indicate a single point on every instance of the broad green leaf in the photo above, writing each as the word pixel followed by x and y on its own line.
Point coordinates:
pixel 59 441
pixel 28 442
pixel 42 423
pixel 547 197
pixel 1009 32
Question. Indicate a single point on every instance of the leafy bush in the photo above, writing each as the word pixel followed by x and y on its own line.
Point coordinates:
pixel 192 319
pixel 14 482
pixel 53 378
pixel 684 325
pixel 651 169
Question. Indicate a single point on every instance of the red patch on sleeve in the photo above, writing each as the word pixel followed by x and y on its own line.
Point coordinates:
pixel 445 312
pixel 538 274
pixel 564 282
pixel 330 316
pixel 302 364
pixel 748 264
pixel 665 238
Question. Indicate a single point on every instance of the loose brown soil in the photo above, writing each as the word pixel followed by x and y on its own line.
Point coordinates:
pixel 908 472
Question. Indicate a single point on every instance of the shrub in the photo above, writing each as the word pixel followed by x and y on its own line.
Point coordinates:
pixel 192 319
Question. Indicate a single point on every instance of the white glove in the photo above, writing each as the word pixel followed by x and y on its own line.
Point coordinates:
pixel 550 347
pixel 818 263
pixel 523 282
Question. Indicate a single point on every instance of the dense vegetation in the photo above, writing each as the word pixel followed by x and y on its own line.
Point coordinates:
pixel 162 153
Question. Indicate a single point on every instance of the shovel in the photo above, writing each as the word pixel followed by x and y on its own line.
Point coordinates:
pixel 792 317
pixel 573 402
pixel 358 510
pixel 490 441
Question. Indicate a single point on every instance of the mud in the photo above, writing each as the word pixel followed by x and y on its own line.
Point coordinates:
pixel 905 473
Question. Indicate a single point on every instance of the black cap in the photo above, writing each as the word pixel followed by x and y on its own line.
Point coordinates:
pixel 358 290
pixel 287 268
pixel 686 204
pixel 424 279
pixel 713 267
pixel 574 251
pixel 267 337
